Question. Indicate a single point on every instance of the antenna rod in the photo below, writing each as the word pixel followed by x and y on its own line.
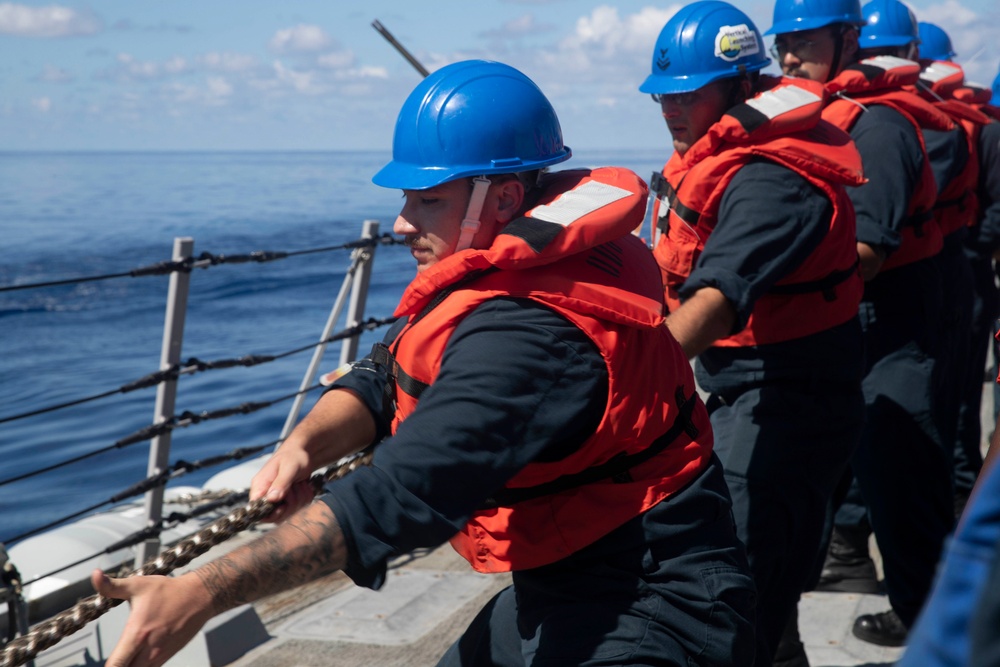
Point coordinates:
pixel 399 47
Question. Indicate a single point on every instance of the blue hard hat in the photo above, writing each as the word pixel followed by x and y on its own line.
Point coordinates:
pixel 797 15
pixel 935 44
pixel 472 118
pixel 890 23
pixel 996 91
pixel 704 42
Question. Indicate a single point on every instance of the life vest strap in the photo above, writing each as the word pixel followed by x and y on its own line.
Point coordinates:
pixel 661 186
pixel 960 202
pixel 616 468
pixel 826 284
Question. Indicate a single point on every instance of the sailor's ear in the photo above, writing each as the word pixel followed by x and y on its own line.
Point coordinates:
pixel 510 198
pixel 850 51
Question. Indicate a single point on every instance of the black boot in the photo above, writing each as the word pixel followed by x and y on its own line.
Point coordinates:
pixel 884 629
pixel 848 568
pixel 791 652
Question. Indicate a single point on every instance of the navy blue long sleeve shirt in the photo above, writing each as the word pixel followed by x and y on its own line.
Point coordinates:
pixel 518 383
pixel 985 237
pixel 893 162
pixel 770 220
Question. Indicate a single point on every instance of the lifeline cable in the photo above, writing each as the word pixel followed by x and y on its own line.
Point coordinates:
pixel 178 469
pixel 195 365
pixel 205 260
pixel 183 420
pixel 50 632
pixel 138 536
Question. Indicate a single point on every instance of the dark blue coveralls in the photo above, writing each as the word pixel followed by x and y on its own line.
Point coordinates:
pixel 982 241
pixel 668 587
pixel 949 153
pixel 787 415
pixel 901 465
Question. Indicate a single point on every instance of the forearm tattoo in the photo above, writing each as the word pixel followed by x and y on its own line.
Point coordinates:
pixel 307 546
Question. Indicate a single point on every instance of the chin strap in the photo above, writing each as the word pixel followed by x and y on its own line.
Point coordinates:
pixel 470 225
pixel 838 50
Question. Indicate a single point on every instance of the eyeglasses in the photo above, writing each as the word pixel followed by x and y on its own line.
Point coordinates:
pixel 803 49
pixel 680 99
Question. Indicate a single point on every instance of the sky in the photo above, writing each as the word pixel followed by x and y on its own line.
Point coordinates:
pixel 315 74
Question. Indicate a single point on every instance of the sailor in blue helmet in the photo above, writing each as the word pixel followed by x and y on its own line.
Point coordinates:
pixel 966 212
pixel 901 465
pixel 935 44
pixel 530 407
pixel 957 625
pixel 757 250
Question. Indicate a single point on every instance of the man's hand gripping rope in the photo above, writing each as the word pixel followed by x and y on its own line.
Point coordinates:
pixel 50 632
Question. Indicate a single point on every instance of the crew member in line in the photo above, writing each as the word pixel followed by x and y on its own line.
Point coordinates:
pixel 955 158
pixel 901 464
pixel 758 254
pixel 972 206
pixel 608 505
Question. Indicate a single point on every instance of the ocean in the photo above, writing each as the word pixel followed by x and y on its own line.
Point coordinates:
pixel 74 215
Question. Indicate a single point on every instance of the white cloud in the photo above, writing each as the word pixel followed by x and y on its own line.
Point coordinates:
pixel 51 21
pixel 228 62
pixel 219 91
pixel 606 33
pixel 300 39
pixel 605 47
pixel 977 52
pixel 43 104
pixel 336 59
pixel 301 82
pixel 130 68
pixel 522 25
pixel 371 72
pixel 53 74
pixel 951 12
pixel 175 65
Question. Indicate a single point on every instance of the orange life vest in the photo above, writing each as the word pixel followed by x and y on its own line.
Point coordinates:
pixel 978 97
pixel 574 253
pixel 781 124
pixel 880 80
pixel 990 110
pixel 957 205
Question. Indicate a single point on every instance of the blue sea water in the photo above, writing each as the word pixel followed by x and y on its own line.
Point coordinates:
pixel 71 215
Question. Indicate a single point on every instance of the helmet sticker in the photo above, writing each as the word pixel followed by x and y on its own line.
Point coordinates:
pixel 736 41
pixel 663 62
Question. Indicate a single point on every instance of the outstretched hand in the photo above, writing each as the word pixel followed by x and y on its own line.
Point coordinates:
pixel 166 614
pixel 339 424
pixel 284 480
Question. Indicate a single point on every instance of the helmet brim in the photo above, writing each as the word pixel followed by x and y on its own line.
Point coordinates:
pixel 669 85
pixel 407 176
pixel 811 23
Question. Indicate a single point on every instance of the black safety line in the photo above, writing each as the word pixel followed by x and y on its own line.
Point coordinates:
pixel 176 470
pixel 195 365
pixel 182 420
pixel 207 259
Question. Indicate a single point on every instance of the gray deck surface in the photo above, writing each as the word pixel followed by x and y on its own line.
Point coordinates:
pixel 427 602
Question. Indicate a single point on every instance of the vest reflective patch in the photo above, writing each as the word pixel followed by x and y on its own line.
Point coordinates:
pixel 937 71
pixel 887 62
pixel 773 103
pixel 575 204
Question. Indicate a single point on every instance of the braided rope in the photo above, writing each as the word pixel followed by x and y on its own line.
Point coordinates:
pixel 50 632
